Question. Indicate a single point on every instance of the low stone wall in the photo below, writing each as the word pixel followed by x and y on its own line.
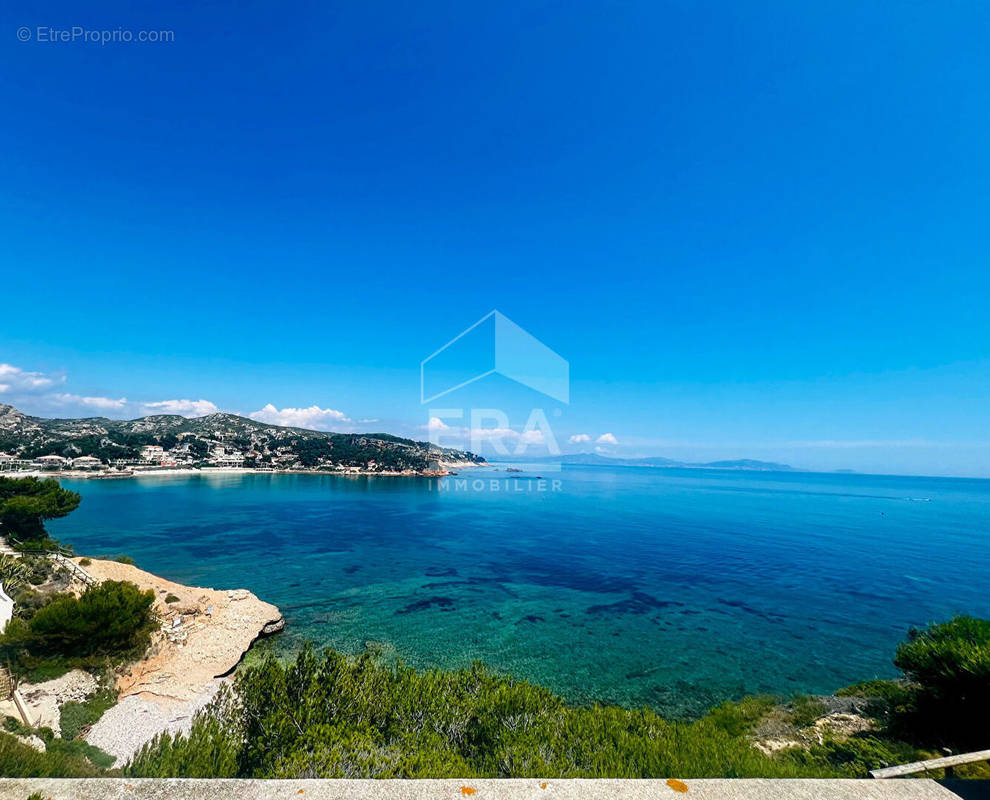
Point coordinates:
pixel 476 789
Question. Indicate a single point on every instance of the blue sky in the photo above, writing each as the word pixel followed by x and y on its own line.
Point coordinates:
pixel 752 229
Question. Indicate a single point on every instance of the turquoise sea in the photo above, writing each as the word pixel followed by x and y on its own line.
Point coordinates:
pixel 663 587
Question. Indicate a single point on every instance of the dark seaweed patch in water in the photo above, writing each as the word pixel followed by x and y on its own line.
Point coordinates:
pixel 440 572
pixel 480 584
pixel 644 672
pixel 750 610
pixel 530 618
pixel 430 602
pixel 350 569
pixel 636 603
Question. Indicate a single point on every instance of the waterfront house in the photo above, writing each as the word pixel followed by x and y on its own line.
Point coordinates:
pixel 50 462
pixel 152 452
pixel 222 457
pixel 9 463
pixel 87 462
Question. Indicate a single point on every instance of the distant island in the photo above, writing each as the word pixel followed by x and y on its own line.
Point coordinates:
pixel 109 447
pixel 597 460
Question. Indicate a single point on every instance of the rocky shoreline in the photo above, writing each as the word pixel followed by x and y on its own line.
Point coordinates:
pixel 204 635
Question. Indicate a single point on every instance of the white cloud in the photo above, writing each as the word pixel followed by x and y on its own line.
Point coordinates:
pixel 607 438
pixel 534 436
pixel 16 380
pixel 490 434
pixel 186 408
pixel 578 438
pixel 314 417
pixel 435 424
pixel 101 403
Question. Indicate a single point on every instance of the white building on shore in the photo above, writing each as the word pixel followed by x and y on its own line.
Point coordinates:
pixel 153 452
pixel 87 462
pixel 9 463
pixel 50 462
pixel 221 457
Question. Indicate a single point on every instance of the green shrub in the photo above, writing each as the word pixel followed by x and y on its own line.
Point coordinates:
pixel 112 620
pixel 805 710
pixel 41 670
pixel 888 701
pixel 14 574
pixel 39 569
pixel 18 760
pixel 76 716
pixel 855 756
pixel 25 504
pixel 894 692
pixel 742 716
pixel 14 725
pixel 28 601
pixel 950 664
pixel 80 749
pixel 85 562
pixel 171 598
pixel 331 716
pixel 124 559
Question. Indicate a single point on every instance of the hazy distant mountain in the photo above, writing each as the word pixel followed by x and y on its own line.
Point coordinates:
pixel 594 459
pixel 745 463
pixel 265 445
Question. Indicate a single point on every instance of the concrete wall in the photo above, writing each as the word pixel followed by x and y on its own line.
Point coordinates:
pixel 481 789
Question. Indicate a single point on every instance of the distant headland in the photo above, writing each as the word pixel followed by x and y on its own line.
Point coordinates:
pixel 98 446
pixel 598 460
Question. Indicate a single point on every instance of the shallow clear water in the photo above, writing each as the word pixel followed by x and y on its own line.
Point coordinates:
pixel 661 587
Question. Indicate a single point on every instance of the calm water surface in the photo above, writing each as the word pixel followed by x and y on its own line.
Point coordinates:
pixel 669 588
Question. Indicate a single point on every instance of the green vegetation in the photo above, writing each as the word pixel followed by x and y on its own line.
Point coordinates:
pixel 331 716
pixel 14 574
pixel 74 749
pixel 25 504
pixel 856 755
pixel 77 716
pixel 18 760
pixel 949 667
pixel 84 562
pixel 109 622
pixel 737 719
pixel 805 710
pixel 79 756
pixel 270 445
pixel 171 598
pixel 122 559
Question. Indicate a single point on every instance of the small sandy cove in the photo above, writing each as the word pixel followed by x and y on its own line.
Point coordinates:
pixel 203 637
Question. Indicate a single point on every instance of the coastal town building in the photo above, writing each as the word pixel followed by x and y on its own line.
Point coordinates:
pixel 9 463
pixel 50 462
pixel 222 457
pixel 87 462
pixel 153 452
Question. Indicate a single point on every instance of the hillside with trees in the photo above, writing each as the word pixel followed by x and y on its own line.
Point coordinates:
pixel 192 440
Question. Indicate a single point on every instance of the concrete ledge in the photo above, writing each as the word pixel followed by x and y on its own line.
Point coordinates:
pixel 480 789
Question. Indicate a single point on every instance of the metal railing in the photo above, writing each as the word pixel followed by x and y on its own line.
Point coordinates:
pixel 60 555
pixel 948 763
